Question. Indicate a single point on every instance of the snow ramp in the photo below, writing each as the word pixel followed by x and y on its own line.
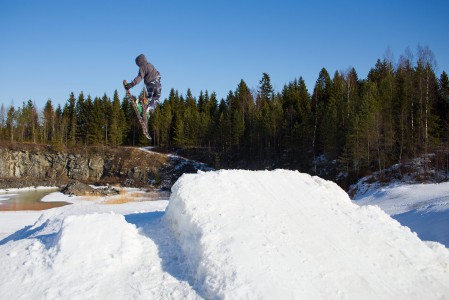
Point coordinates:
pixel 286 235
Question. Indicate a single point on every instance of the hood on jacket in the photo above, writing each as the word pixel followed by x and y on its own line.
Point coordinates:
pixel 141 60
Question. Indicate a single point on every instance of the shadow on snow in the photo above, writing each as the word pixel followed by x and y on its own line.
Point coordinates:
pixel 29 232
pixel 174 262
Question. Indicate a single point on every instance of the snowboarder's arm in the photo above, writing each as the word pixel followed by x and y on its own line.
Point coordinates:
pixel 138 78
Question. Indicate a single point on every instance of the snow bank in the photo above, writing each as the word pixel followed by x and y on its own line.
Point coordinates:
pixel 424 208
pixel 74 252
pixel 283 234
pixel 71 250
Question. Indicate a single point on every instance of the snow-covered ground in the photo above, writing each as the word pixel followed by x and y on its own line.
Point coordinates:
pixel 222 235
pixel 422 207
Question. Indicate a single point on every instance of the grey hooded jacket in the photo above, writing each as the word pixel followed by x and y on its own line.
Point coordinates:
pixel 146 71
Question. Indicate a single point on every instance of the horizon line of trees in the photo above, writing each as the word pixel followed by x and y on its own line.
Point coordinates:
pixel 400 111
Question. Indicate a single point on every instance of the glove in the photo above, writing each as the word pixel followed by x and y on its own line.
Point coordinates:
pixel 128 86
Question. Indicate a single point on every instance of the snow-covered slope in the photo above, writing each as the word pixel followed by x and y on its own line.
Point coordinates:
pixel 422 207
pixel 224 235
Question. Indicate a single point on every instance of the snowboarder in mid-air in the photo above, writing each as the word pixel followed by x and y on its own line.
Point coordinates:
pixel 152 79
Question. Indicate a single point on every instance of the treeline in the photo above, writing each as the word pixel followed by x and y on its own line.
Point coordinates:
pixel 400 111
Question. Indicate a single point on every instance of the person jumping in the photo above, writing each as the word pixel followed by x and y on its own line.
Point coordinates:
pixel 152 80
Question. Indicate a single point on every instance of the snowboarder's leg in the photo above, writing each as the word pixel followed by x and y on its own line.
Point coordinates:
pixel 154 93
pixel 154 89
pixel 152 105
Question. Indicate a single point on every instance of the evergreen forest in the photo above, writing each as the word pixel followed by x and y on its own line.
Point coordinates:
pixel 359 126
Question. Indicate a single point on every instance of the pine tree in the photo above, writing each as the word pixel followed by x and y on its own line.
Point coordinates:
pixel 246 107
pixel 122 127
pixel 266 89
pixel 11 122
pixel 236 121
pixel 290 106
pixel 165 119
pixel 96 121
pixel 352 92
pixel 179 139
pixel 443 105
pixel 128 123
pixel 224 127
pixel 204 118
pixel 370 126
pixel 70 115
pixel 35 127
pixel 331 124
pixel 302 131
pixel 90 113
pixel 405 108
pixel 81 120
pixel 320 98
pixel 191 120
pixel 61 128
pixel 28 124
pixel 213 124
pixel 277 119
pixel 107 119
pixel 49 123
pixel 115 132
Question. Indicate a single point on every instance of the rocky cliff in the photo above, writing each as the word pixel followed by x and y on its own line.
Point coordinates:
pixel 27 165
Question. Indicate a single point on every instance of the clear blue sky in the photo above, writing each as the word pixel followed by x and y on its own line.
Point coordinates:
pixel 51 48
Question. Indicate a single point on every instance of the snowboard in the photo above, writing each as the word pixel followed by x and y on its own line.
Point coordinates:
pixel 140 108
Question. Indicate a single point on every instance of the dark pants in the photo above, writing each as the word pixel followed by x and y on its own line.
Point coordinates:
pixel 153 94
pixel 154 89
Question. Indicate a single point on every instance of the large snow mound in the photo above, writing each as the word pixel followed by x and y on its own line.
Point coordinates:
pixel 283 235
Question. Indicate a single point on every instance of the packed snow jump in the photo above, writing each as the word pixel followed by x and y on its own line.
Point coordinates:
pixel 145 105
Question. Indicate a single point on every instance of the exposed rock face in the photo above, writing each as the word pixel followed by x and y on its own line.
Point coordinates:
pixel 21 164
pixel 125 166
pixel 26 164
